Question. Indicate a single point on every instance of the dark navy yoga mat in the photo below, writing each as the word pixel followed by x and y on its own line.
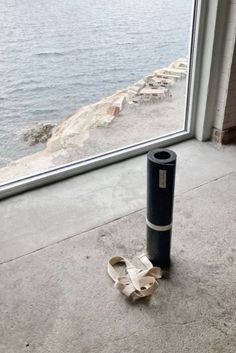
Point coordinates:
pixel 161 164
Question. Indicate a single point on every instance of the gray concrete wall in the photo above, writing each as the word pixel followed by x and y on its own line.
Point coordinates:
pixel 230 108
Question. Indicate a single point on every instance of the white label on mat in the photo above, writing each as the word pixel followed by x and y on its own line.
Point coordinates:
pixel 162 179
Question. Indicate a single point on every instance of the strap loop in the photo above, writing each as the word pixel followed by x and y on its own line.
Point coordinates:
pixel 137 283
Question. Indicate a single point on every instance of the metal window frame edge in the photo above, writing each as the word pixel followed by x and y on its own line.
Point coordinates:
pixel 193 82
pixel 72 169
pixel 49 176
pixel 211 28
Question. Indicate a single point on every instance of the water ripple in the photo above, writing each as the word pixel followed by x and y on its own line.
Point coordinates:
pixel 58 55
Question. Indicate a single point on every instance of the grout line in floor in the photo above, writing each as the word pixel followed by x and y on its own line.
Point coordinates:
pixel 69 237
pixel 106 223
pixel 206 183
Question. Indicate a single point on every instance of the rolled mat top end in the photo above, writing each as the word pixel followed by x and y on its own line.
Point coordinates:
pixel 162 156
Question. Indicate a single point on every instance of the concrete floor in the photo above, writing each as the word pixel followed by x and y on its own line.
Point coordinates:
pixel 55 295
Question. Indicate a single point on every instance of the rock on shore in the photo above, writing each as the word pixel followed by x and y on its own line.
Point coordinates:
pixel 38 134
pixel 74 130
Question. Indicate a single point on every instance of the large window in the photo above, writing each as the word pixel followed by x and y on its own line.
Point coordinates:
pixel 80 79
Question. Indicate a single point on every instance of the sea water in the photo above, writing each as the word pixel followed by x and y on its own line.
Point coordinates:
pixel 58 55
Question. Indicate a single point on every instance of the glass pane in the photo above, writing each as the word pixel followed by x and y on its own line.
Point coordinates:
pixel 79 78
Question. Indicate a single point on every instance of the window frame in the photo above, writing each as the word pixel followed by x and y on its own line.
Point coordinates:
pixel 192 128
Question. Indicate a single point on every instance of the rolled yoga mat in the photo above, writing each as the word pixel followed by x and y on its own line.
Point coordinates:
pixel 161 165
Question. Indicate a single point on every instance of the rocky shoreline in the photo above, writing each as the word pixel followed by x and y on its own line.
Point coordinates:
pixel 83 129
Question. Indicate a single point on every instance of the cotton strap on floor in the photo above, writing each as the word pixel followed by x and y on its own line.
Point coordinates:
pixel 136 283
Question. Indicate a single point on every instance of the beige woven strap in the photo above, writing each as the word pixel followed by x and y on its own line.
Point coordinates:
pixel 136 283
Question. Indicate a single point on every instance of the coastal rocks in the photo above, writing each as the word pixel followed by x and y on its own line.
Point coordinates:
pixel 135 89
pixel 120 102
pixel 70 139
pixel 105 121
pixel 148 78
pixel 181 63
pixel 117 106
pixel 75 130
pixel 112 110
pixel 38 134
